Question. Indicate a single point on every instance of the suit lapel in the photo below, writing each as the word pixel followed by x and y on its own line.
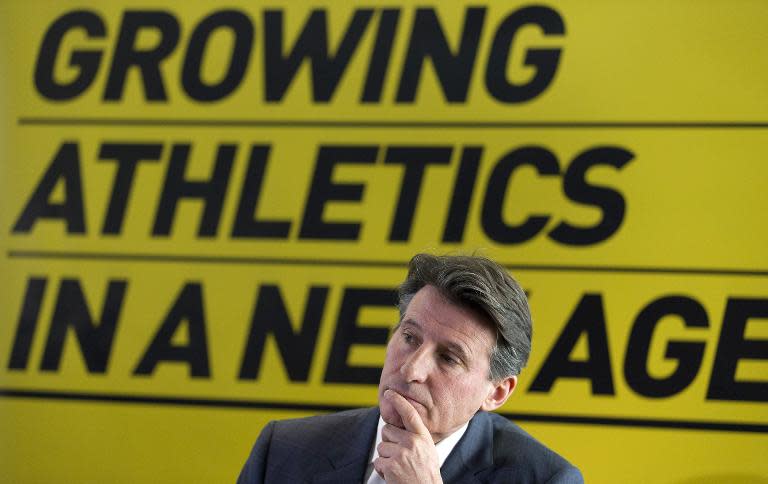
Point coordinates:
pixel 472 454
pixel 349 448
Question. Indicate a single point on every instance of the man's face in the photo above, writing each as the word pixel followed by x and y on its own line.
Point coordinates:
pixel 438 358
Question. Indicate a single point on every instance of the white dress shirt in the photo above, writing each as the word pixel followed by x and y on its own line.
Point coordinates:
pixel 444 448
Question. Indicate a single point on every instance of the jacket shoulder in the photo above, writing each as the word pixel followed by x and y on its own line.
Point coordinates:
pixel 316 432
pixel 297 450
pixel 516 452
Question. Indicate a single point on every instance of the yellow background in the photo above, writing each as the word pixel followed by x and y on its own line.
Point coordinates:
pixel 696 199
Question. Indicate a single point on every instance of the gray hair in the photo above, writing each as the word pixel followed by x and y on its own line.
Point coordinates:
pixel 484 286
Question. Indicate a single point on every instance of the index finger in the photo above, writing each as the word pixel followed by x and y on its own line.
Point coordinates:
pixel 408 414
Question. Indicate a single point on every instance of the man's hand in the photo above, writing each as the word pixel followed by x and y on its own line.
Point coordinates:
pixel 406 454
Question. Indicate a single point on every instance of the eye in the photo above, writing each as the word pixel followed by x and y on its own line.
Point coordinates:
pixel 408 337
pixel 449 359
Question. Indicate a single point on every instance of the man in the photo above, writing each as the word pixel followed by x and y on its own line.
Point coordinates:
pixel 463 337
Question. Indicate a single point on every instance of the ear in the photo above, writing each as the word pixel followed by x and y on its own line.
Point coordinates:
pixel 499 393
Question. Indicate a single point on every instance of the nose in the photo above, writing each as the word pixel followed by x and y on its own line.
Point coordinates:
pixel 417 366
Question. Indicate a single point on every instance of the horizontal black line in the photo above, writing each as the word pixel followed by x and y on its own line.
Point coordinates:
pixel 378 124
pixel 165 400
pixel 318 407
pixel 639 422
pixel 287 261
pixel 200 259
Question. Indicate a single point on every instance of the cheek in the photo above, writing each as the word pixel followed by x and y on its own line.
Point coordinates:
pixel 391 359
pixel 473 396
pixel 443 397
pixel 390 370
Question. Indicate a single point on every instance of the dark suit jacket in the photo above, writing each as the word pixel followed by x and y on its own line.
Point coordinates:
pixel 335 448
